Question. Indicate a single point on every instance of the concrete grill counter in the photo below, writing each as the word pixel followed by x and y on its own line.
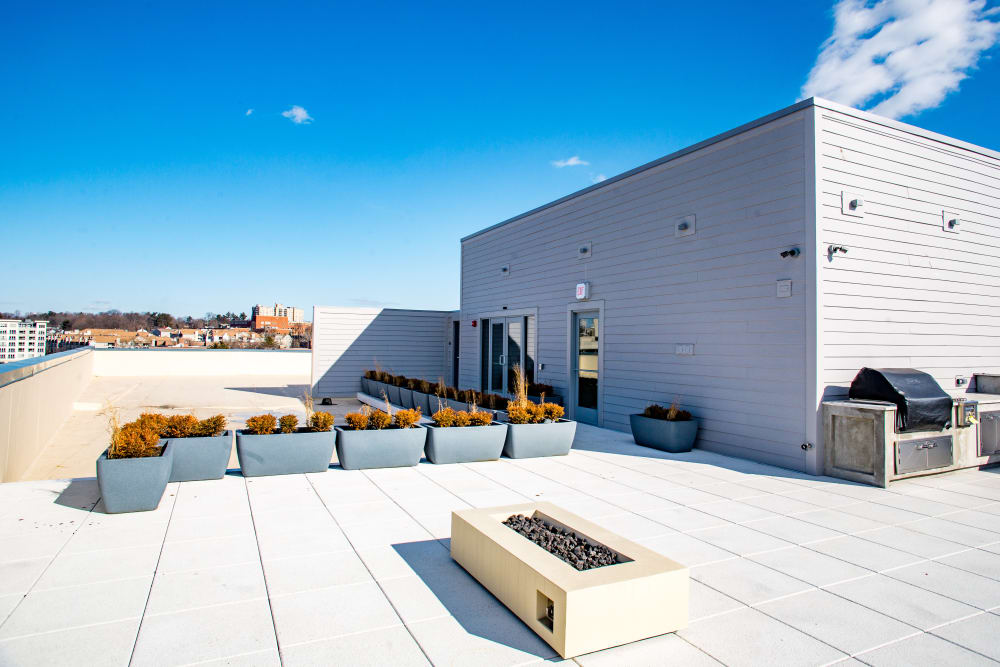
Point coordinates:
pixel 867 440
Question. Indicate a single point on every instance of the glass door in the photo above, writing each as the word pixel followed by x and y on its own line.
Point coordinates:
pixel 586 328
pixel 505 340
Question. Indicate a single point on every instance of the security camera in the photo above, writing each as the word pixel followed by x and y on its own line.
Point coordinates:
pixel 791 252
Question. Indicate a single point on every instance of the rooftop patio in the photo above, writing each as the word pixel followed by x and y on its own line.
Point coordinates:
pixel 352 567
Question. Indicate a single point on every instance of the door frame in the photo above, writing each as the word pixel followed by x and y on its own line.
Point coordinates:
pixel 497 314
pixel 571 310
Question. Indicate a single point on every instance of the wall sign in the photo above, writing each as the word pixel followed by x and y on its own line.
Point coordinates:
pixel 582 291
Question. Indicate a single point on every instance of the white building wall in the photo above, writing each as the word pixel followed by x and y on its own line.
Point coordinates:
pixel 349 341
pixel 907 293
pixel 715 289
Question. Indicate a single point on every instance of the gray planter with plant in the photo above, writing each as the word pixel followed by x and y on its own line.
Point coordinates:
pixel 133 484
pixel 668 436
pixel 420 400
pixel 406 398
pixel 366 385
pixel 435 403
pixel 457 405
pixel 392 391
pixel 284 453
pixel 200 458
pixel 554 438
pixel 380 448
pixel 373 387
pixel 464 444
pixel 554 398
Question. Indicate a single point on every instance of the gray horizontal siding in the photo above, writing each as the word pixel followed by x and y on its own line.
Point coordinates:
pixel 348 341
pixel 715 289
pixel 907 293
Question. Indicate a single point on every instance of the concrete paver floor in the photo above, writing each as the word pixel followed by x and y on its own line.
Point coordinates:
pixel 352 567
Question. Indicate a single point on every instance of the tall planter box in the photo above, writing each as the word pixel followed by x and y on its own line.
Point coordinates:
pixel 644 594
pixel 393 393
pixel 284 453
pixel 457 405
pixel 366 385
pixel 463 444
pixel 406 397
pixel 386 448
pixel 200 458
pixel 547 439
pixel 134 485
pixel 668 436
pixel 374 388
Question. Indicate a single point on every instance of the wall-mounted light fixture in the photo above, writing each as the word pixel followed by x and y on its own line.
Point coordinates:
pixel 791 252
pixel 950 222
pixel 834 249
pixel 852 204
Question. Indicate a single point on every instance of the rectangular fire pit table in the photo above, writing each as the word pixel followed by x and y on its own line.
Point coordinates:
pixel 643 595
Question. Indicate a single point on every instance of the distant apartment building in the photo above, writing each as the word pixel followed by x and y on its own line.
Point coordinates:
pixel 270 323
pixel 288 312
pixel 21 339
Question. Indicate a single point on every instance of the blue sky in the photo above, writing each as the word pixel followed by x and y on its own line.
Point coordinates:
pixel 133 177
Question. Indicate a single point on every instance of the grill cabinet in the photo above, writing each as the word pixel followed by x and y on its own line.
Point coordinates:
pixel 899 423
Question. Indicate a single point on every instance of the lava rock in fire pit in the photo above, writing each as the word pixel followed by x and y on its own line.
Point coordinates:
pixel 565 544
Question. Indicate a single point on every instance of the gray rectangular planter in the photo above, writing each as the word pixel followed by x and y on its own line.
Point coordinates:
pixel 374 388
pixel 435 403
pixel 200 458
pixel 386 448
pixel 133 485
pixel 284 453
pixel 463 444
pixel 406 397
pixel 554 398
pixel 548 439
pixel 458 405
pixel 668 436
pixel 365 385
pixel 420 401
pixel 393 392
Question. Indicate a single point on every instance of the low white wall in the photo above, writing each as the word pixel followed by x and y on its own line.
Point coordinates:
pixel 141 363
pixel 348 341
pixel 35 399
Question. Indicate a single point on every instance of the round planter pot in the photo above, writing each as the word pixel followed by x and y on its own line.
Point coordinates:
pixel 284 453
pixel 406 398
pixel 133 485
pixel 668 436
pixel 386 448
pixel 531 440
pixel 465 444
pixel 200 458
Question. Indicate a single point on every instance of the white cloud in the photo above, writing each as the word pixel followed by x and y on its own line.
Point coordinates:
pixel 297 115
pixel 598 178
pixel 903 56
pixel 249 111
pixel 574 161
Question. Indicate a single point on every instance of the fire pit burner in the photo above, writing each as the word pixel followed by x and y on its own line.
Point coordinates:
pixel 567 545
